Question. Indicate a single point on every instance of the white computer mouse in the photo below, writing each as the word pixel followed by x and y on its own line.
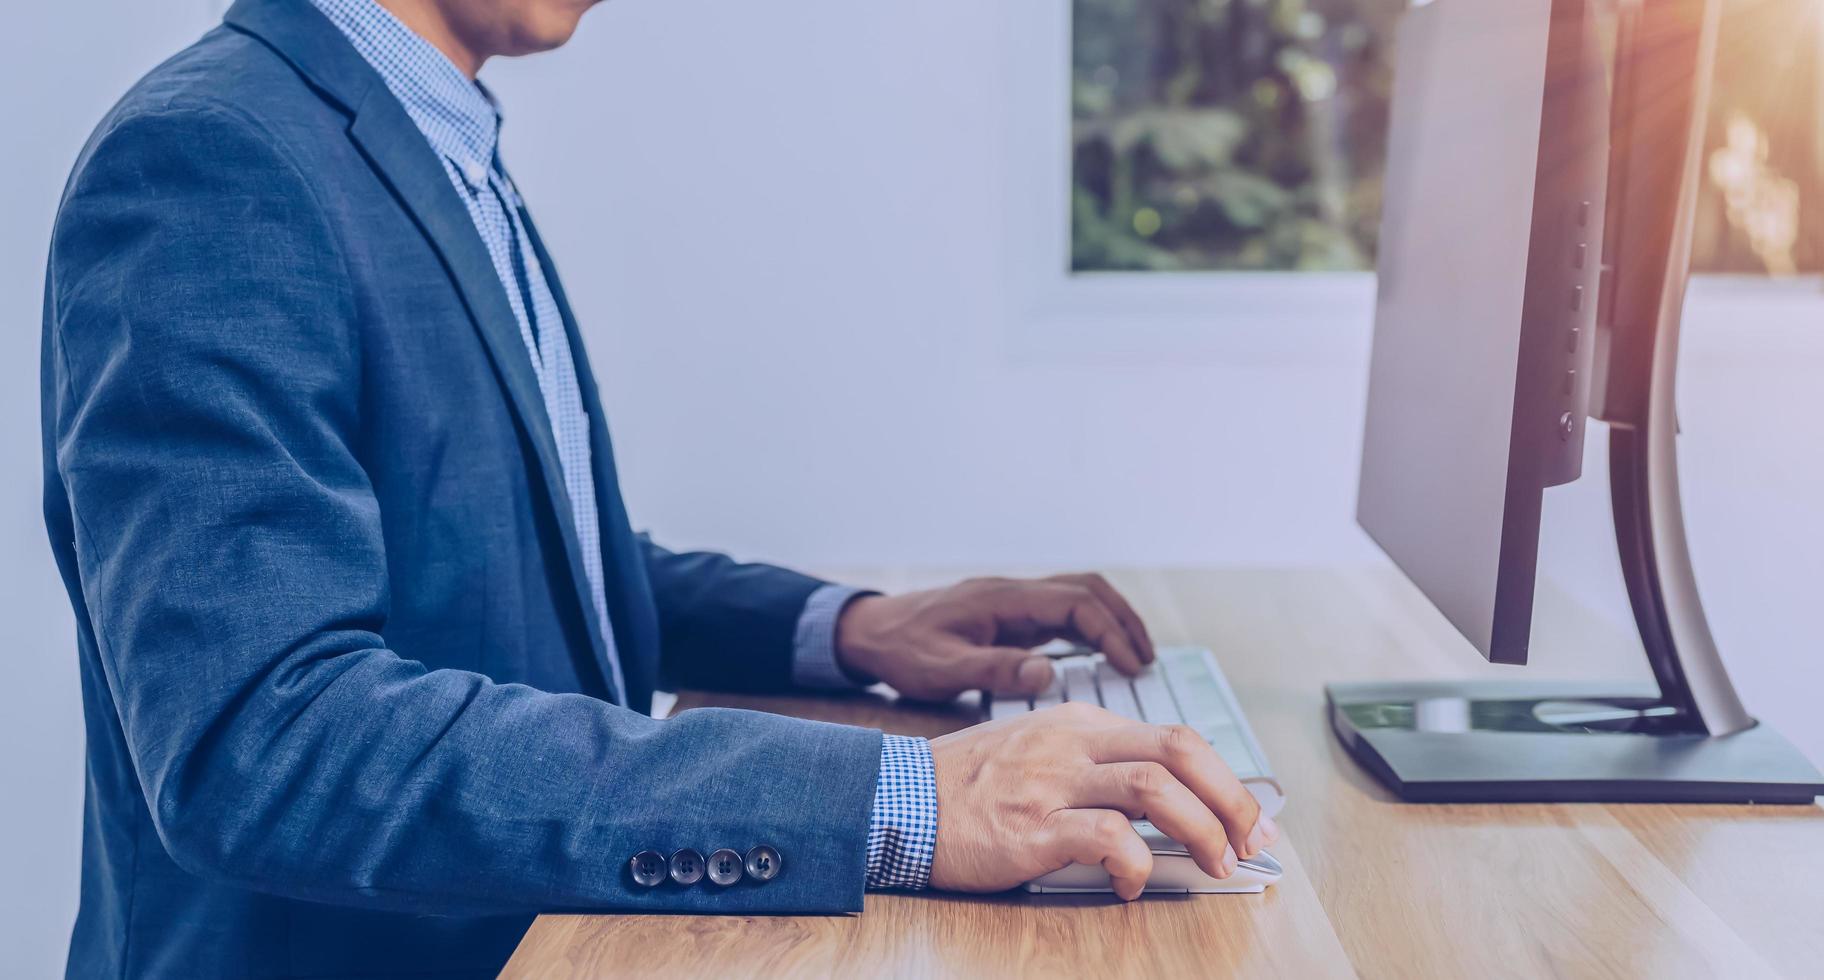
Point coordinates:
pixel 1174 872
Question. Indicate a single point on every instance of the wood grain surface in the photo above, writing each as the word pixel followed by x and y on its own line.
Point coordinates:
pixel 1373 887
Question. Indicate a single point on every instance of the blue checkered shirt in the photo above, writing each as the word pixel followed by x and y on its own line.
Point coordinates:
pixel 461 121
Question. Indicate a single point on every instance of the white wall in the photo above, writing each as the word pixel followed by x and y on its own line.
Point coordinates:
pixel 800 237
pixel 803 209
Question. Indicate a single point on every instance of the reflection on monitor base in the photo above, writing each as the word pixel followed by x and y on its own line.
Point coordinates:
pixel 1547 742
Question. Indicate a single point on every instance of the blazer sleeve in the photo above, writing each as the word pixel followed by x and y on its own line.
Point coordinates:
pixel 207 412
pixel 725 625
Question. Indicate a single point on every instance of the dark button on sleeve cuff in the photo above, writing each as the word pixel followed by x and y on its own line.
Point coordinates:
pixel 725 867
pixel 686 867
pixel 763 863
pixel 649 869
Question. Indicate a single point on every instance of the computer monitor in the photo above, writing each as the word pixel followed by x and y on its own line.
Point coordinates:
pixel 1535 244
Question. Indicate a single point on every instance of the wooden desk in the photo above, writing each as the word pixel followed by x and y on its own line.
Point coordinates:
pixel 1373 887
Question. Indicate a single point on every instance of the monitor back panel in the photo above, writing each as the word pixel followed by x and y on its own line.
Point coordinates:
pixel 1463 414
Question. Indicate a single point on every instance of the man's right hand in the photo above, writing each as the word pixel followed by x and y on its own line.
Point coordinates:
pixel 1025 796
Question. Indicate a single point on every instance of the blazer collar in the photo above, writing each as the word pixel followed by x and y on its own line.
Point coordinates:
pixel 402 157
pixel 457 114
pixel 305 38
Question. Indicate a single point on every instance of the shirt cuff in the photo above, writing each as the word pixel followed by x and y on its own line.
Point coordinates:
pixel 902 829
pixel 814 661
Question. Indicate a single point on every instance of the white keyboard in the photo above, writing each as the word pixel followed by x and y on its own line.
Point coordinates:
pixel 1184 686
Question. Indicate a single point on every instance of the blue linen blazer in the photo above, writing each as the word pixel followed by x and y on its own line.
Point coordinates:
pixel 345 706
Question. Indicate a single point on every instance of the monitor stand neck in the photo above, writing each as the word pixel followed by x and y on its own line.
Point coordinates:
pixel 1657 141
pixel 1656 564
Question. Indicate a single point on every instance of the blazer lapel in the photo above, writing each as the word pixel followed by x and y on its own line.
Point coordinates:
pixel 399 154
pixel 623 560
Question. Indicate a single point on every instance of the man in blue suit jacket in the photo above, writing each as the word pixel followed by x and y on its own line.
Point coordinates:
pixel 367 642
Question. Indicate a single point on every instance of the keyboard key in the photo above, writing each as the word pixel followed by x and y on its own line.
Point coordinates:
pixel 1052 696
pixel 1000 708
pixel 1205 700
pixel 1079 675
pixel 1117 693
pixel 1059 649
pixel 1156 704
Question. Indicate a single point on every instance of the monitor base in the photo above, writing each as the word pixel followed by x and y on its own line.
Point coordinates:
pixel 1576 742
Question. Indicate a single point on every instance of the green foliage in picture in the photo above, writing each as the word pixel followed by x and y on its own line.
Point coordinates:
pixel 1229 134
pixel 1250 135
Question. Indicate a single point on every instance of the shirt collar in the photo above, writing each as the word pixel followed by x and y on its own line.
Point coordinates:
pixel 458 116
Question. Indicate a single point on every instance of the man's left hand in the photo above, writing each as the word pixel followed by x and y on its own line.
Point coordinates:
pixel 980 634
